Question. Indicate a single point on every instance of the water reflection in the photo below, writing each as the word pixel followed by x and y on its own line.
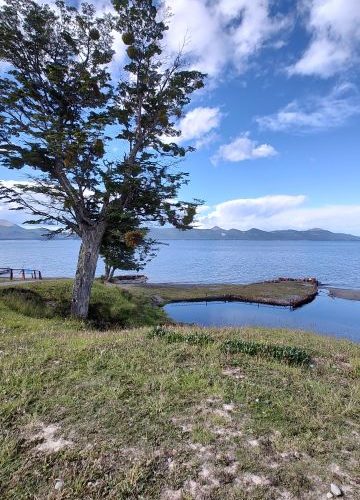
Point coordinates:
pixel 326 315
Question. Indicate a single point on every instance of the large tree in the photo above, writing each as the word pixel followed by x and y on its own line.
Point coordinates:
pixel 62 112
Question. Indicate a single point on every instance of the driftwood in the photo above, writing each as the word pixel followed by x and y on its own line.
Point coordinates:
pixel 130 278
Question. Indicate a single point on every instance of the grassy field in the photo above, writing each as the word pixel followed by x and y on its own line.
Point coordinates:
pixel 283 293
pixel 109 306
pixel 171 413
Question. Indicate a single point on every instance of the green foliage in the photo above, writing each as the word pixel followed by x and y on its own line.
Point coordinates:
pixel 58 100
pixel 127 248
pixel 291 355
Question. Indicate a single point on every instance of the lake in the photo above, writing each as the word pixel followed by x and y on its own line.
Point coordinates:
pixel 333 263
pixel 326 315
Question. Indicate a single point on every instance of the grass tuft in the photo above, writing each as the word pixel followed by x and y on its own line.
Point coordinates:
pixel 175 337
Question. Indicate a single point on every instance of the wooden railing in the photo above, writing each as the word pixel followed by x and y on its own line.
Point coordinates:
pixel 23 274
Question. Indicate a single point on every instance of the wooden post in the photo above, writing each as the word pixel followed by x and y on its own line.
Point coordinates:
pixel 40 277
pixel 23 273
pixel 11 275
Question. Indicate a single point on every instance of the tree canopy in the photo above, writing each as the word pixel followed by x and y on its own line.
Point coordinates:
pixel 97 149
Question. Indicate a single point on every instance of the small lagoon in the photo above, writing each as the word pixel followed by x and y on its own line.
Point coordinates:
pixel 325 315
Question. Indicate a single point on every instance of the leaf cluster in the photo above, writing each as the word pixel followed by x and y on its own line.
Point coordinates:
pixel 98 147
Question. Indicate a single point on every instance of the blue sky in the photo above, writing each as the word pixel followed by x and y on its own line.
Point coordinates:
pixel 277 127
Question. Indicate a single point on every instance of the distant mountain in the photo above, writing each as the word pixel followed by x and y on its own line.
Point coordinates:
pixel 9 231
pixel 217 233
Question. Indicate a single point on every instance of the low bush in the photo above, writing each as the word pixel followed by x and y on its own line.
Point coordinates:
pixel 291 355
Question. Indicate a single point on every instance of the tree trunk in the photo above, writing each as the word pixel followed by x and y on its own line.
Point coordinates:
pixel 85 271
pixel 109 272
pixel 112 272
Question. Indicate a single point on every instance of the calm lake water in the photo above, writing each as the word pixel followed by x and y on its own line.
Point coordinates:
pixel 337 317
pixel 334 263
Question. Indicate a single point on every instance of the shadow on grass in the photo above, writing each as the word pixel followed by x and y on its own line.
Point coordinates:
pixel 109 307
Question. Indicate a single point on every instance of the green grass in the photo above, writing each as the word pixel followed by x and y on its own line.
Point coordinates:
pixel 168 412
pixel 142 415
pixel 171 336
pixel 109 305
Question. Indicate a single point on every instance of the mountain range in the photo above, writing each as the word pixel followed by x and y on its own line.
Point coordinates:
pixel 217 233
pixel 10 231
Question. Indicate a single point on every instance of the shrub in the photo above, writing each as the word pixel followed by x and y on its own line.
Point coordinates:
pixel 291 355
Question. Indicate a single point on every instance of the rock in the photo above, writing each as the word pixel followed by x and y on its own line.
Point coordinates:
pixel 59 484
pixel 335 490
pixel 329 495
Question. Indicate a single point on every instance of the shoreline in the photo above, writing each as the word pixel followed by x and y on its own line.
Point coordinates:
pixel 292 293
pixel 230 292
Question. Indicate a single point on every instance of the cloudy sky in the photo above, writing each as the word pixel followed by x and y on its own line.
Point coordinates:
pixel 277 128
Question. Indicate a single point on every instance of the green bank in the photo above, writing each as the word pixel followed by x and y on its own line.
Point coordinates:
pixel 100 410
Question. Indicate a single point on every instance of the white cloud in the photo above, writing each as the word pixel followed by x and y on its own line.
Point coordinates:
pixel 221 32
pixel 243 148
pixel 281 212
pixel 10 211
pixel 317 113
pixel 244 212
pixel 334 46
pixel 198 123
pixel 7 211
